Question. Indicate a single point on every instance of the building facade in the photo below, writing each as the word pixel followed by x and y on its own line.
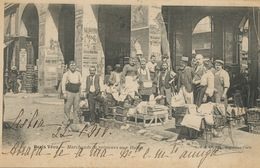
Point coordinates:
pixel 48 36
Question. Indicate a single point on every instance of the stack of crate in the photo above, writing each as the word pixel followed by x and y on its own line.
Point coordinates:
pixel 120 116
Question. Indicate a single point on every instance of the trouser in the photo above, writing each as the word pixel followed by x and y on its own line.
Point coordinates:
pixel 92 102
pixel 195 93
pixel 188 97
pixel 167 93
pixel 73 99
pixel 200 94
pixel 145 97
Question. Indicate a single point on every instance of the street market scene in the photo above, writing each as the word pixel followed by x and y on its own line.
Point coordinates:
pixel 144 78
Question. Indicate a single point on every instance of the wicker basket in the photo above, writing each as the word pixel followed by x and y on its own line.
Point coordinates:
pixel 253 115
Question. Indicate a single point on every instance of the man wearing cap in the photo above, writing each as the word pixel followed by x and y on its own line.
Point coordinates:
pixel 71 89
pixel 166 78
pixel 185 77
pixel 145 89
pixel 198 72
pixel 221 83
pixel 94 87
pixel 151 66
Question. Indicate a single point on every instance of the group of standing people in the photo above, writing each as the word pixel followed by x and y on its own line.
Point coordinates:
pixel 197 84
pixel 204 82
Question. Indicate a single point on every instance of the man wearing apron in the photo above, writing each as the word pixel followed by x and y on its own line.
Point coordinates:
pixel 221 83
pixel 145 89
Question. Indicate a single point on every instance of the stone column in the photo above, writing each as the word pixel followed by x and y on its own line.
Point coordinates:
pixel 92 50
pixel 148 32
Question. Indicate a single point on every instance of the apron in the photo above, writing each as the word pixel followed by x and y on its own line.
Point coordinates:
pixel 143 88
pixel 219 89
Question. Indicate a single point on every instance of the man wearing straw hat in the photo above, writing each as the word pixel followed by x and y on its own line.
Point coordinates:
pixel 185 77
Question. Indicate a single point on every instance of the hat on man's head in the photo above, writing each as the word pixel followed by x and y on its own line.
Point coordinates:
pixel 220 62
pixel 13 68
pixel 165 56
pixel 185 59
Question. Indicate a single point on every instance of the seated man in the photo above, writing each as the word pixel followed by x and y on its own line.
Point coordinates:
pixel 93 94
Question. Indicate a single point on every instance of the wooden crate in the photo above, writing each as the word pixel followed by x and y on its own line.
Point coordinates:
pixel 120 117
pixel 122 111
pixel 155 119
pixel 119 124
pixel 103 122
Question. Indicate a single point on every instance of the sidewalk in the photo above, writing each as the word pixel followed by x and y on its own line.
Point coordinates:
pixel 47 99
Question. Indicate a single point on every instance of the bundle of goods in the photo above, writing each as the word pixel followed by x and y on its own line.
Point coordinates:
pixel 148 114
pixel 253 120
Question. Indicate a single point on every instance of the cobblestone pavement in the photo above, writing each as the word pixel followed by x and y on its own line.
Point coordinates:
pixel 47 110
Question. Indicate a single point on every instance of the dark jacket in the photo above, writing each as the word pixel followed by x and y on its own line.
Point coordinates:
pixel 96 84
pixel 167 80
pixel 185 77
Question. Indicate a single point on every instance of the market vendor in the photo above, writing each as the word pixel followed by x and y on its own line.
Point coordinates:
pixel 94 95
pixel 156 81
pixel 114 79
pixel 145 84
pixel 221 83
pixel 184 83
pixel 151 66
pixel 129 75
pixel 206 87
pixel 165 84
pixel 198 72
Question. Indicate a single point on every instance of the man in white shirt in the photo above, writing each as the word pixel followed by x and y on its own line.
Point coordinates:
pixel 71 89
pixel 94 87
pixel 151 66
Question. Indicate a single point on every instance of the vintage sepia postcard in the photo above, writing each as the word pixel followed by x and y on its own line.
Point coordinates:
pixel 137 83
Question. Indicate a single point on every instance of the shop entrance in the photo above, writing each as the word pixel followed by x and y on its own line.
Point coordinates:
pixel 66 32
pixel 29 33
pixel 114 31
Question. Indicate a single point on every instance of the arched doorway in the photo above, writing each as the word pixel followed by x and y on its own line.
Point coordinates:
pixel 202 37
pixel 29 33
pixel 66 32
